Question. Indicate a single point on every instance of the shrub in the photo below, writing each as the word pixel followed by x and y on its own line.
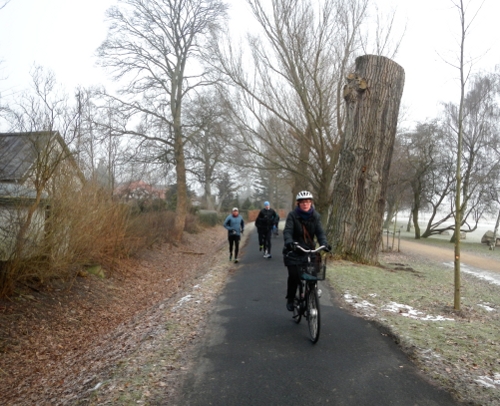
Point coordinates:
pixel 209 218
pixel 83 227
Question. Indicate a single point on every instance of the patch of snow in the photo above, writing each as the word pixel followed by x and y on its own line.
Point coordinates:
pixel 183 300
pixel 96 387
pixel 353 300
pixel 409 311
pixel 363 303
pixel 393 307
pixel 489 382
pixel 488 276
pixel 486 307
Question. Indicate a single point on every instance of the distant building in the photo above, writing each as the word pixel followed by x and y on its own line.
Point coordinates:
pixel 138 190
pixel 29 164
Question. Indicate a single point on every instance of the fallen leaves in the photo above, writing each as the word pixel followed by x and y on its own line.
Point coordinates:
pixel 57 345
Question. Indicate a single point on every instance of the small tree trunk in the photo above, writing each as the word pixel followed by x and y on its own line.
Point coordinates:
pixel 408 225
pixel 416 227
pixel 373 94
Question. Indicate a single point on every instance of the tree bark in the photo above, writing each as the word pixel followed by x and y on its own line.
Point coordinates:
pixel 373 95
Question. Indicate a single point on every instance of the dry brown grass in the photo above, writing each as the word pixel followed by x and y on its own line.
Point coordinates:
pixel 83 228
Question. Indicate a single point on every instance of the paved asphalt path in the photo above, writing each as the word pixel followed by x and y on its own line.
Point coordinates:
pixel 255 354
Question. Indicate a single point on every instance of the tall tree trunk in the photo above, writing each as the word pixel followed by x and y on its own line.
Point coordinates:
pixel 182 198
pixel 373 94
pixel 416 227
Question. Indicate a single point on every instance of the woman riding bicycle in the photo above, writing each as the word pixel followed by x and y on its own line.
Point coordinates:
pixel 302 226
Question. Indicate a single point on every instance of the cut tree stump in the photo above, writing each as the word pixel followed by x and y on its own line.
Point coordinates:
pixel 372 95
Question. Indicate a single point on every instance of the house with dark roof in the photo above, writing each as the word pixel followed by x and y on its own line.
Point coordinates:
pixel 28 163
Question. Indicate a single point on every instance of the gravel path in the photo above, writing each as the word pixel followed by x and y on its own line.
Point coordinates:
pixel 483 267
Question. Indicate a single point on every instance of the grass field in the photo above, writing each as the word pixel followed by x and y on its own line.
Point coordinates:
pixel 412 298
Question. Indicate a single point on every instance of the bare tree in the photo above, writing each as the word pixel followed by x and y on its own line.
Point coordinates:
pixel 288 104
pixel 152 47
pixel 398 196
pixel 428 170
pixel 291 103
pixel 463 66
pixel 208 150
pixel 480 145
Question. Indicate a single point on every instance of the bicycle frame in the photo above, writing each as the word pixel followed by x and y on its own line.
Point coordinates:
pixel 306 303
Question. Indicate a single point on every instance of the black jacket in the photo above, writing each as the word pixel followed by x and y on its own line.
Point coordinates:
pixel 266 219
pixel 294 232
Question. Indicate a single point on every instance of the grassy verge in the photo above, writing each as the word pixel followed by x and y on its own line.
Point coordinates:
pixel 460 350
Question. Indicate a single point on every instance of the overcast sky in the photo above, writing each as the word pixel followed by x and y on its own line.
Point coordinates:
pixel 63 35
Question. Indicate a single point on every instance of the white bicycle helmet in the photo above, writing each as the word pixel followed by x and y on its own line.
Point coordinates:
pixel 305 194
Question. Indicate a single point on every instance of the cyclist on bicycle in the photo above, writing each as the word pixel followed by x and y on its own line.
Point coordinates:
pixel 302 225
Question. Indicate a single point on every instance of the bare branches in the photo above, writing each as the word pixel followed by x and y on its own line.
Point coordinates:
pixel 148 48
pixel 4 3
pixel 288 103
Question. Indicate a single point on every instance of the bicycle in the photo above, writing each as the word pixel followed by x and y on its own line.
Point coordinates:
pixel 306 302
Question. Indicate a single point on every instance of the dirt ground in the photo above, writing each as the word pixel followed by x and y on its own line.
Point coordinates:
pixel 59 341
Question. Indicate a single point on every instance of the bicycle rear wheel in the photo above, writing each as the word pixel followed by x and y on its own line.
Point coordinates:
pixel 313 314
pixel 297 311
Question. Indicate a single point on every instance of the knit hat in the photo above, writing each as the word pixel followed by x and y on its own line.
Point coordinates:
pixel 266 203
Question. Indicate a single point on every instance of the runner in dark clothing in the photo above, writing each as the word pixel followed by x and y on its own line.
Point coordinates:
pixel 265 221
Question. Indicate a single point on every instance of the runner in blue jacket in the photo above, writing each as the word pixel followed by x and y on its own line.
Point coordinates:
pixel 234 224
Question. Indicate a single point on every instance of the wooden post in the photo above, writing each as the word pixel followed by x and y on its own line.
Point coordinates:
pixel 372 94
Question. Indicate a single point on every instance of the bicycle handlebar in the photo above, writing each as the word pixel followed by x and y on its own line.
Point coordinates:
pixel 321 248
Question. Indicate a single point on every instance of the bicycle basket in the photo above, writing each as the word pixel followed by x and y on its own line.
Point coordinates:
pixel 315 270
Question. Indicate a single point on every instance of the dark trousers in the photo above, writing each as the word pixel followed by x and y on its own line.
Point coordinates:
pixel 265 239
pixel 262 236
pixel 234 239
pixel 293 281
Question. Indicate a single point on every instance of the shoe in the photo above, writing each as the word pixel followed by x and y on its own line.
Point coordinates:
pixel 261 247
pixel 319 293
pixel 266 255
pixel 269 256
pixel 236 260
pixel 289 306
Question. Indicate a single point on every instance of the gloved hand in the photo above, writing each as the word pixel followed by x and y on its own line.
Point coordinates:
pixel 290 246
pixel 328 248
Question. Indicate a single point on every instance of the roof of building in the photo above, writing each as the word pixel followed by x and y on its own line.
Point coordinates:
pixel 17 154
pixel 20 151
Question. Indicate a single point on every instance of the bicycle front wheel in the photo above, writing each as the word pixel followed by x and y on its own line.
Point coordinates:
pixel 313 314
